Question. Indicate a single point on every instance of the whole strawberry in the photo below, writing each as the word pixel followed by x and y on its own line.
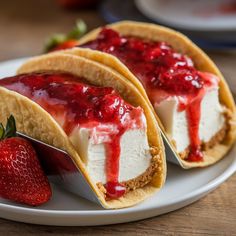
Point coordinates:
pixel 21 176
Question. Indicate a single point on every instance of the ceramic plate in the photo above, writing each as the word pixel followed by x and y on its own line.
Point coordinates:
pixel 152 11
pixel 64 209
pixel 191 15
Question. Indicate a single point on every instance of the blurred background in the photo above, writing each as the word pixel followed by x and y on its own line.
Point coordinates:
pixel 26 24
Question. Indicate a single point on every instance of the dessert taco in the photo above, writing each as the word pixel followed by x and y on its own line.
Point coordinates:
pixel 191 98
pixel 97 116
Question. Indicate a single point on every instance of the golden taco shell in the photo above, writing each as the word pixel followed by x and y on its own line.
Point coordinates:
pixel 34 121
pixel 183 45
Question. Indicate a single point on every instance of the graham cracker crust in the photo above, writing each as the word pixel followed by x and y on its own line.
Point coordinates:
pixel 143 179
pixel 216 139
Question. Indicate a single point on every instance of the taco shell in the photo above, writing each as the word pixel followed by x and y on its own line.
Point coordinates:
pixel 34 121
pixel 183 45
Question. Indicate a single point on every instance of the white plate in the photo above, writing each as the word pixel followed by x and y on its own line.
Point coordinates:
pixel 182 188
pixel 201 15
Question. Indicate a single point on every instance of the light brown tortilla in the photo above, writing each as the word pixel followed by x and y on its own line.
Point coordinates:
pixel 34 121
pixel 183 45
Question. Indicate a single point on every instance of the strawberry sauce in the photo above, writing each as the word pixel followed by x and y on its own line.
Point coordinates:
pixel 75 104
pixel 163 73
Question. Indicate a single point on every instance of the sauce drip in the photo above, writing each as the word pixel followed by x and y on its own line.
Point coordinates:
pixel 163 73
pixel 73 103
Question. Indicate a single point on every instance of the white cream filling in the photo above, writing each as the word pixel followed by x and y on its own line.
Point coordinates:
pixel 134 157
pixel 176 125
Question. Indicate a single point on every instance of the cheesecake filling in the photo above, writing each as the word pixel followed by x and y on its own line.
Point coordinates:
pixel 108 133
pixel 176 123
pixel 171 81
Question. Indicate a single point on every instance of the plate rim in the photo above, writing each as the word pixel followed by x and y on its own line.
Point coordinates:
pixel 228 172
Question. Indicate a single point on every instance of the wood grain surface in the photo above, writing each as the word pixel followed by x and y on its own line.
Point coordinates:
pixel 24 26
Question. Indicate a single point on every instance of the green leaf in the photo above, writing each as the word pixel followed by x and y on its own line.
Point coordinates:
pixel 2 131
pixel 10 127
pixel 57 39
pixel 79 30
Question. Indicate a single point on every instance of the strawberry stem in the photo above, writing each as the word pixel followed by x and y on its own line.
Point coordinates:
pixel 2 131
pixel 10 130
pixel 57 39
pixel 10 127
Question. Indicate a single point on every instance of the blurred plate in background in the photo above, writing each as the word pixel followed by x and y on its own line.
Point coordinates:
pixel 211 39
pixel 208 15
pixel 203 20
pixel 159 11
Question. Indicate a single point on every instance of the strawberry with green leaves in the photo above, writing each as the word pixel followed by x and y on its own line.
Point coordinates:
pixel 61 41
pixel 21 176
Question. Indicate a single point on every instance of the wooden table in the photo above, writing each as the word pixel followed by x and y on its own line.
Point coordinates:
pixel 24 25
